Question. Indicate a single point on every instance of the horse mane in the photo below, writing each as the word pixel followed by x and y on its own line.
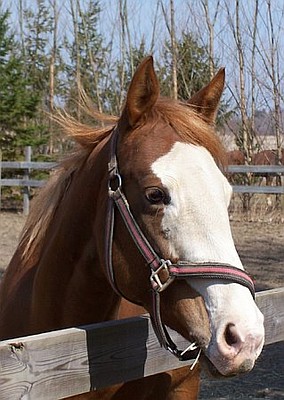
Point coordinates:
pixel 45 203
pixel 184 120
pixel 190 126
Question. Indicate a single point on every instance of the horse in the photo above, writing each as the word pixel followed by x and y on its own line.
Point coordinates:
pixel 235 157
pixel 139 212
pixel 268 157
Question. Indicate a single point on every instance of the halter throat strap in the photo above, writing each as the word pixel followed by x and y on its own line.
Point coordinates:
pixel 162 272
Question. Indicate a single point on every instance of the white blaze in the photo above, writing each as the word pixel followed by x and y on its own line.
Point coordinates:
pixel 196 218
pixel 197 226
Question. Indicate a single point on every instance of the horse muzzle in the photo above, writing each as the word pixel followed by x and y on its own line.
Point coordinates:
pixel 235 350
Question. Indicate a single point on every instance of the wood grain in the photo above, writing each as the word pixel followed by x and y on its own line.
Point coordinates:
pixel 57 364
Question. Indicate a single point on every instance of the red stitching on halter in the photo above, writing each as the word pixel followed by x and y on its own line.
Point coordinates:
pixel 212 270
pixel 180 270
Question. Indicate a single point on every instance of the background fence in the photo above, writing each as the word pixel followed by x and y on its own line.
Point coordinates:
pixel 26 182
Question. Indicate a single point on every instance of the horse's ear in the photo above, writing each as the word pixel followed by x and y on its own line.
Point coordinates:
pixel 206 100
pixel 143 92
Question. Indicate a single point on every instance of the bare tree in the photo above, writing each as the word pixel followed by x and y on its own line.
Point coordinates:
pixel 172 32
pixel 52 72
pixel 245 134
pixel 253 72
pixel 174 50
pixel 93 64
pixel 153 36
pixel 240 52
pixel 21 25
pixel 74 14
pixel 122 8
pixel 210 26
pixel 275 80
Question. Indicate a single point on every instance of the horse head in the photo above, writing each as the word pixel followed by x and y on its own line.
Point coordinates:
pixel 168 160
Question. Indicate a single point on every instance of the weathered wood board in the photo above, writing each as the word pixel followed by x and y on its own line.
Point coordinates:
pixel 63 363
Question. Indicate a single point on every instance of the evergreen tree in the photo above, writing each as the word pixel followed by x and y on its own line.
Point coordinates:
pixel 192 67
pixel 193 72
pixel 86 67
pixel 45 66
pixel 120 75
pixel 18 102
pixel 37 30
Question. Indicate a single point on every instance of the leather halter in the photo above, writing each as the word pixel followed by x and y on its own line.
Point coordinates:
pixel 162 272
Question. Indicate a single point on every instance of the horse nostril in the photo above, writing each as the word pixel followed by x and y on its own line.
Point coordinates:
pixel 231 335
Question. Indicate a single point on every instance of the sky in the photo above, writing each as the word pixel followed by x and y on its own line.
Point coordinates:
pixel 189 16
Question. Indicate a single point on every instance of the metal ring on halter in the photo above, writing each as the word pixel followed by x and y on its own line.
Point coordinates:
pixel 113 177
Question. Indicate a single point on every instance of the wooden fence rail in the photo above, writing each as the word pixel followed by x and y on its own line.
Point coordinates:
pixel 258 170
pixel 26 182
pixel 63 363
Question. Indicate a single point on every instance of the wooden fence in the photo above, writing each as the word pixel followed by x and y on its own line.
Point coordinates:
pixel 25 181
pixel 27 166
pixel 63 363
pixel 258 170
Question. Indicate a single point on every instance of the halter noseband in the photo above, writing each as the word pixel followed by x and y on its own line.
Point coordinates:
pixel 163 272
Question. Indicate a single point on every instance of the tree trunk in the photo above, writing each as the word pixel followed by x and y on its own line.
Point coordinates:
pixel 52 76
pixel 174 51
pixel 74 13
pixel 276 97
pixel 210 26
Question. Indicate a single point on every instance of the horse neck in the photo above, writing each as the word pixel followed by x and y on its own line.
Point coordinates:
pixel 88 294
pixel 69 285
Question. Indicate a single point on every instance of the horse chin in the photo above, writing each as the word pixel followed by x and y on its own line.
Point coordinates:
pixel 209 368
pixel 213 372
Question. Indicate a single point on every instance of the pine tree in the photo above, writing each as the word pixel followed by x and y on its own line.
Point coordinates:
pixel 192 67
pixel 36 40
pixel 193 71
pixel 86 54
pixel 114 94
pixel 17 102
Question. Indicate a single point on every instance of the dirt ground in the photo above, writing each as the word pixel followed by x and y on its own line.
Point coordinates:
pixel 261 248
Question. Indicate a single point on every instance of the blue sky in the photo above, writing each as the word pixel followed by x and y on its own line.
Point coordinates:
pixel 189 16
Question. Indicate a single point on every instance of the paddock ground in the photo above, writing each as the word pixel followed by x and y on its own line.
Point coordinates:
pixel 261 247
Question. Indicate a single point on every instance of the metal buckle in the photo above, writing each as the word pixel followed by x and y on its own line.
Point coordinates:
pixel 156 283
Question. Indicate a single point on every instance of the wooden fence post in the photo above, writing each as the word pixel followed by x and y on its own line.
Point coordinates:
pixel 26 201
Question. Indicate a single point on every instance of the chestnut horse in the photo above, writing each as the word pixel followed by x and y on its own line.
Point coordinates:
pixel 268 157
pixel 140 212
pixel 235 157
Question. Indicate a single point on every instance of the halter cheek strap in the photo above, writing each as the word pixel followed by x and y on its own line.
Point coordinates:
pixel 162 272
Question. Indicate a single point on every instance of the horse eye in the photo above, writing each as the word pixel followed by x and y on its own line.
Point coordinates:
pixel 156 195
